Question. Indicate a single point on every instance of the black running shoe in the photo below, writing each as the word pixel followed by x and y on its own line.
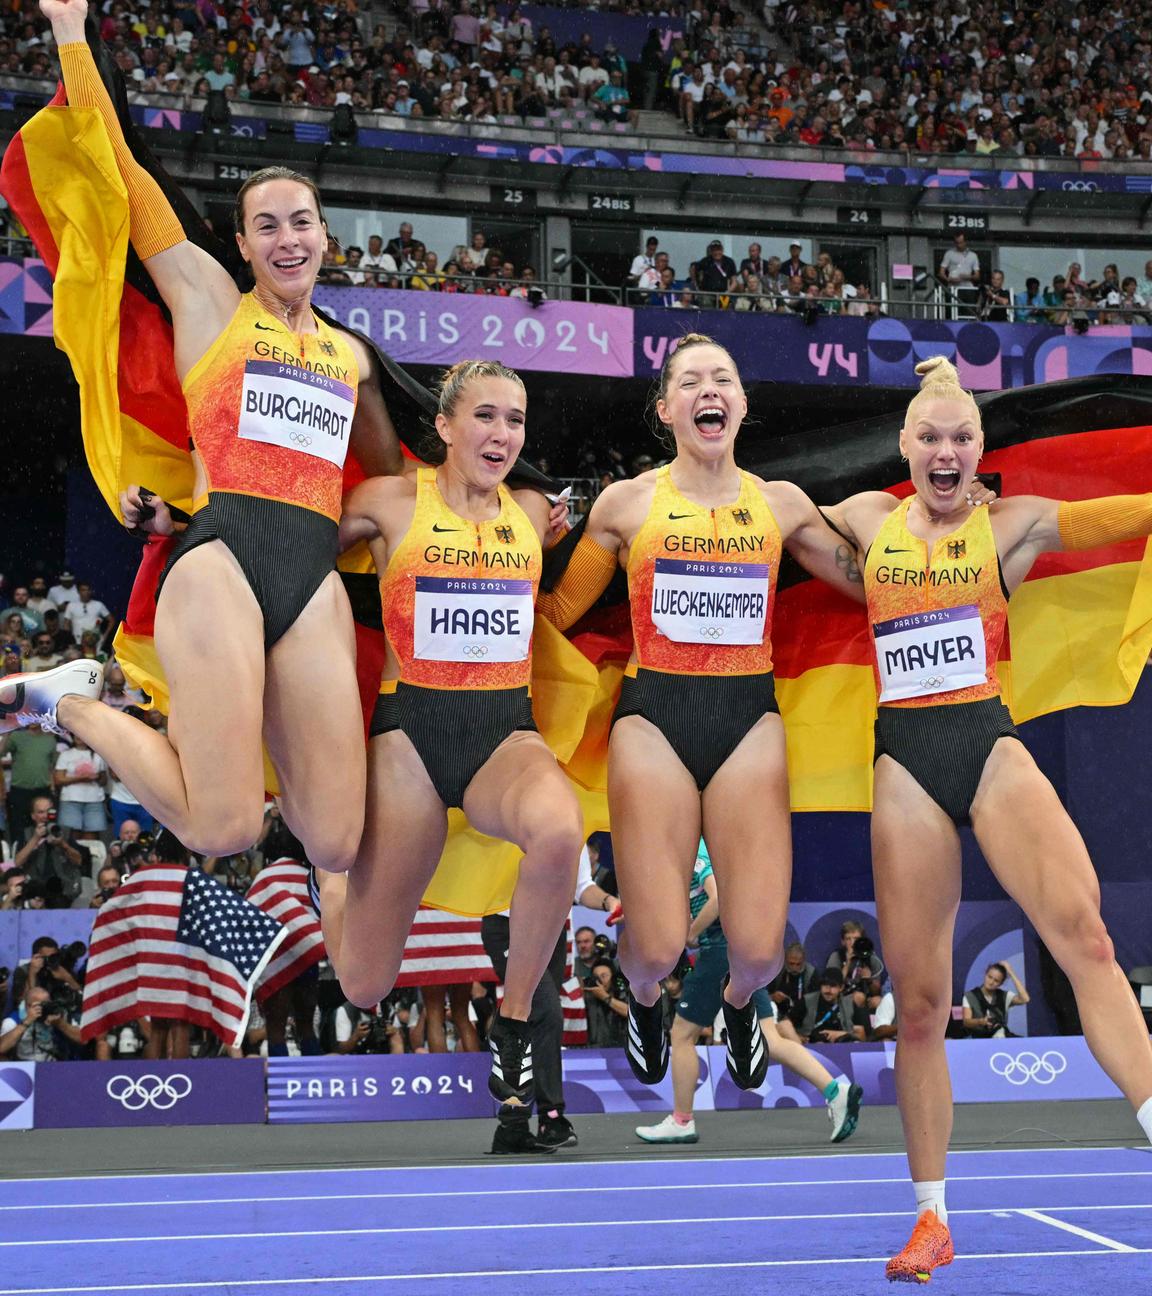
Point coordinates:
pixel 510 1080
pixel 556 1130
pixel 514 1137
pixel 747 1047
pixel 647 1042
pixel 314 889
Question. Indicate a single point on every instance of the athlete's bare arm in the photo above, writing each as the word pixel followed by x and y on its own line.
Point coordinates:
pixel 379 510
pixel 619 513
pixel 374 441
pixel 1025 526
pixel 811 541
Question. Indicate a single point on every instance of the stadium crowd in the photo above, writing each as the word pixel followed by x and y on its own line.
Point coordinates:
pixel 959 78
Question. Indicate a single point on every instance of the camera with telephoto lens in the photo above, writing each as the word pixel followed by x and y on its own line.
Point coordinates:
pixel 604 946
pixel 5 973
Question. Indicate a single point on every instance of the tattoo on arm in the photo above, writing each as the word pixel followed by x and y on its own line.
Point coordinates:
pixel 846 561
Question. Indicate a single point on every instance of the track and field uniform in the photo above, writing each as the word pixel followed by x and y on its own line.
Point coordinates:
pixel 270 414
pixel 938 612
pixel 458 603
pixel 702 582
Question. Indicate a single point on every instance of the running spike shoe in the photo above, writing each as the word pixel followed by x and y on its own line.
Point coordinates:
pixel 668 1131
pixel 32 698
pixel 747 1047
pixel 844 1111
pixel 314 889
pixel 647 1042
pixel 929 1247
pixel 510 1080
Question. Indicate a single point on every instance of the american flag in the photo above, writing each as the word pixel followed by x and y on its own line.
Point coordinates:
pixel 174 942
pixel 281 891
pixel 444 949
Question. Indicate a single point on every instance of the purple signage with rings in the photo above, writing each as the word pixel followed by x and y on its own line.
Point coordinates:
pixel 216 1091
pixel 441 328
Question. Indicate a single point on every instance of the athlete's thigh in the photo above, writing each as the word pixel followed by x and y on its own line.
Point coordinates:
pixel 917 873
pixel 748 828
pixel 209 636
pixel 520 791
pixel 405 826
pixel 313 723
pixel 654 806
pixel 1030 842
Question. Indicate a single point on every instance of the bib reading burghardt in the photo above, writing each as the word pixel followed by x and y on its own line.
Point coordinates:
pixel 472 620
pixel 710 602
pixel 296 409
pixel 930 652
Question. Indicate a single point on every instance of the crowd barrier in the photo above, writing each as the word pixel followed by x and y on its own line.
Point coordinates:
pixel 386 1087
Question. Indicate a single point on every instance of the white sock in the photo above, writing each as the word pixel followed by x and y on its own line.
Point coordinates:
pixel 930 1196
pixel 1144 1116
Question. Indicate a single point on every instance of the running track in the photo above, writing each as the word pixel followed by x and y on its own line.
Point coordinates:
pixel 1024 1222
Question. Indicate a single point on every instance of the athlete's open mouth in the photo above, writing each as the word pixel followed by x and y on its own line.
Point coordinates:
pixel 712 419
pixel 944 480
pixel 293 263
pixel 494 457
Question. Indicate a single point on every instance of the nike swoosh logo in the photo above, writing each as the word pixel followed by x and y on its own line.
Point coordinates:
pixel 889 549
pixel 676 517
pixel 267 328
pixel 439 529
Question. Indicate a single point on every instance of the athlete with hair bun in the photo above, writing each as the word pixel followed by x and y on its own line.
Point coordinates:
pixel 938 575
pixel 459 558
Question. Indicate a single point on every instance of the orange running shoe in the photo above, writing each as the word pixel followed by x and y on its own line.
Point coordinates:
pixel 929 1247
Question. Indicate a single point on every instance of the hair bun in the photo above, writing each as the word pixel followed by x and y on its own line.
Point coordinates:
pixel 938 370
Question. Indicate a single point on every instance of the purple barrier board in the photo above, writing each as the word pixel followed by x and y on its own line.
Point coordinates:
pixel 17 1095
pixel 216 1091
pixel 442 328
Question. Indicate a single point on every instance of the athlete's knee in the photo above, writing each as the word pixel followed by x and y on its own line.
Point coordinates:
pixel 924 1012
pixel 334 847
pixel 228 831
pixel 556 841
pixel 649 960
pixel 365 987
pixel 1080 939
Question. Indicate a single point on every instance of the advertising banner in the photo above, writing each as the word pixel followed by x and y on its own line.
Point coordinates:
pixel 440 328
pixel 17 1095
pixel 215 1091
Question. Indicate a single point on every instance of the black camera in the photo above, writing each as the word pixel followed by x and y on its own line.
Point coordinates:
pixel 863 948
pixel 5 973
pixel 603 946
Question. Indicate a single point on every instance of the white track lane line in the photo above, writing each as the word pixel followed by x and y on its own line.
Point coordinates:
pixel 541 1190
pixel 1033 1212
pixel 504 1274
pixel 832 1154
pixel 1086 1234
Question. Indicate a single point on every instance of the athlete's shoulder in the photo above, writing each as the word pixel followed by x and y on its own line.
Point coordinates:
pixel 379 494
pixel 621 497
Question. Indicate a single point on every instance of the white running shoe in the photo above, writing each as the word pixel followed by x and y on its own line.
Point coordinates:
pixel 32 698
pixel 844 1111
pixel 668 1131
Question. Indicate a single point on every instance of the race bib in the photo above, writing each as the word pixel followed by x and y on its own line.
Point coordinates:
pixel 710 602
pixel 472 620
pixel 930 652
pixel 296 409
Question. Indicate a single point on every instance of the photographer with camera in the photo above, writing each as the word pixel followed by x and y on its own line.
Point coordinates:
pixel 108 881
pixel 789 986
pixel 860 965
pixel 46 855
pixel 831 1013
pixel 986 1006
pixel 12 891
pixel 40 1030
pixel 606 1002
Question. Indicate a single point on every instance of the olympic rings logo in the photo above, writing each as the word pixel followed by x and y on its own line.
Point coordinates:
pixel 1019 1070
pixel 148 1091
pixel 933 681
pixel 300 438
pixel 475 650
pixel 1080 186
pixel 712 632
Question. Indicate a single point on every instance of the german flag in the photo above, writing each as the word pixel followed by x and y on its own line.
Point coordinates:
pixel 1080 627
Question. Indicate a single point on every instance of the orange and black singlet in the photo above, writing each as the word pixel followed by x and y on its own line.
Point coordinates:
pixel 270 415
pixel 702 582
pixel 938 611
pixel 458 602
pixel 270 411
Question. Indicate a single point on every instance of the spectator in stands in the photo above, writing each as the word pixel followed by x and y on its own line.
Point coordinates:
pixel 714 276
pixel 585 955
pixel 592 77
pixel 44 655
pixel 613 101
pixel 116 693
pixel 12 895
pixel 85 612
pixel 884 1018
pixel 400 247
pixel 754 264
pixel 108 880
pixel 652 277
pixel 33 754
pixel 795 265
pixel 1030 303
pixel 795 979
pixel 39 1030
pixel 832 1015
pixel 31 620
pixel 959 271
pixel 61 637
pixel 995 299
pixel 64 591
pixel 986 1005
pixel 377 264
pixel 38 599
pixel 753 298
pixel 79 779
pixel 1144 286
pixel 645 260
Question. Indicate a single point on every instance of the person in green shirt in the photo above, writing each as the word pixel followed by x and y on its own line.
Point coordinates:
pixel 33 753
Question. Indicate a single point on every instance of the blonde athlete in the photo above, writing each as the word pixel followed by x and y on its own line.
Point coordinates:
pixel 938 575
